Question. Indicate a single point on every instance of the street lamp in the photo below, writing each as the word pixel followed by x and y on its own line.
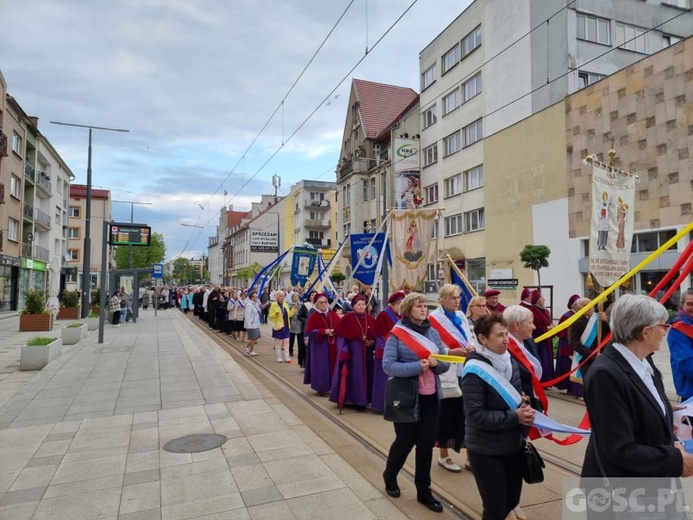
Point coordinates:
pixel 132 209
pixel 202 269
pixel 86 264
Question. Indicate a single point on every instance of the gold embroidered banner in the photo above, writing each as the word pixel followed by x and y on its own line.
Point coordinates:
pixel 410 239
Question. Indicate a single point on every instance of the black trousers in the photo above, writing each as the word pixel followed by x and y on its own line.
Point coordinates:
pixel 421 434
pixel 499 479
pixel 295 336
pixel 116 318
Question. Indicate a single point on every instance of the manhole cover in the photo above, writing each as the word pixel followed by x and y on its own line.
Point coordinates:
pixel 195 443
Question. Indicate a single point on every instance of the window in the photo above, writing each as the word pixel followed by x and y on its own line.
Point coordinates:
pixel 365 191
pixel 317 235
pixel 472 133
pixel 631 38
pixel 346 195
pixel 12 229
pixel 593 29
pixel 73 232
pixel 432 272
pixel 372 187
pixel 16 143
pixel 668 39
pixel 453 225
pixel 450 59
pixel 57 214
pixel 474 220
pixel 59 185
pixel 431 193
pixel 15 186
pixel 451 101
pixel 347 229
pixel 71 276
pixel 429 117
pixel 651 241
pixel 471 41
pixel 472 87
pixel 474 178
pixel 453 185
pixel 587 78
pixel 428 77
pixel 73 255
pixel 434 233
pixel 452 144
pixel 74 211
pixel 430 154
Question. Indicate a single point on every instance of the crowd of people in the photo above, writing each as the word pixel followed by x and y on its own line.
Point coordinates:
pixel 351 352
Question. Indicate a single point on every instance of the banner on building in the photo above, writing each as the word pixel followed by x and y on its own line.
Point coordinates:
pixel 365 256
pixel 264 241
pixel 407 180
pixel 302 265
pixel 411 233
pixel 611 230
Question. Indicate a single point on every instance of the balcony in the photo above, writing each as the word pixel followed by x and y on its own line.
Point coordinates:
pixel 319 242
pixel 316 223
pixel 42 218
pixel 28 211
pixel 29 172
pixel 44 181
pixel 41 253
pixel 384 155
pixel 3 144
pixel 323 204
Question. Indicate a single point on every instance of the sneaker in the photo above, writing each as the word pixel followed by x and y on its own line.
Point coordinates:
pixel 253 353
pixel 520 514
pixel 247 352
pixel 449 465
pixel 288 361
pixel 279 360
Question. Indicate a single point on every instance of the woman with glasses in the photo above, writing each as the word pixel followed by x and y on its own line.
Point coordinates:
pixel 477 308
pixel 632 421
pixel 322 346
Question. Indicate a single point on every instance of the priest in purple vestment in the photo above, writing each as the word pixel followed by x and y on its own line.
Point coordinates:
pixel 322 346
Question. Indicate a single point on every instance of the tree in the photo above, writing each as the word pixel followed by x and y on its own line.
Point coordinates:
pixel 535 257
pixel 337 278
pixel 142 256
pixel 182 270
pixel 249 273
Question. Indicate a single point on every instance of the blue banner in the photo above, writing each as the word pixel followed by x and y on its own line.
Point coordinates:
pixel 365 271
pixel 465 294
pixel 302 265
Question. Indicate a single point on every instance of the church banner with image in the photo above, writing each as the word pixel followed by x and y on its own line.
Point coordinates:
pixel 302 265
pixel 611 230
pixel 411 233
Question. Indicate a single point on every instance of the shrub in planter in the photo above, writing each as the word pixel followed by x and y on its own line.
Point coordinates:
pixel 69 306
pixel 34 315
pixel 38 352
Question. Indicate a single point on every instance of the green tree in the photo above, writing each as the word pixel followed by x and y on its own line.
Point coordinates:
pixel 248 273
pixel 535 257
pixel 182 270
pixel 142 256
pixel 337 278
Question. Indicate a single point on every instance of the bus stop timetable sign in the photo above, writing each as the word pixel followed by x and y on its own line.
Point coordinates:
pixel 125 234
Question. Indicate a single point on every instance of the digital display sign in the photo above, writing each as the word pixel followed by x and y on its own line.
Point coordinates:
pixel 125 234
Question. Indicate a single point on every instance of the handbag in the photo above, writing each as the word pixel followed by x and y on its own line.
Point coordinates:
pixel 533 464
pixel 402 400
pixel 451 392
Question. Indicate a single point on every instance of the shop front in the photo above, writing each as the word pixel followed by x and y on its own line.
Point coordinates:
pixel 9 282
pixel 32 275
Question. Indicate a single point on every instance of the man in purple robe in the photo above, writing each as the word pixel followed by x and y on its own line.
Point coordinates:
pixel 322 346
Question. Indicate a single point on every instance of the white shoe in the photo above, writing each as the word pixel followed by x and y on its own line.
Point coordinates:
pixel 449 465
pixel 279 360
pixel 247 352
pixel 253 353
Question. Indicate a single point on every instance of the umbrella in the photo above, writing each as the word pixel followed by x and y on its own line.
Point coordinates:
pixel 342 387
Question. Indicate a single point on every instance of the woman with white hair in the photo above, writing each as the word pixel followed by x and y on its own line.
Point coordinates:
pixel 632 421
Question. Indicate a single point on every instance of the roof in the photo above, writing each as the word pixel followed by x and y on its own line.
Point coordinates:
pixel 233 218
pixel 79 191
pixel 381 105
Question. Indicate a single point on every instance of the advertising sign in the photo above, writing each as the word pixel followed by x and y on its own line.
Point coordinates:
pixel 126 234
pixel 407 182
pixel 264 241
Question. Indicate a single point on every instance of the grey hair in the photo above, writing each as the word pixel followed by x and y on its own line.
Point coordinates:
pixel 517 314
pixel 686 294
pixel 446 291
pixel 631 313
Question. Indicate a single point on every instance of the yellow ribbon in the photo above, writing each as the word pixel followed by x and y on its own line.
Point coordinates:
pixel 601 297
pixel 449 359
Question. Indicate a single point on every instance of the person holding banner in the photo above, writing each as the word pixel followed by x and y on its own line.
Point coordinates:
pixel 583 338
pixel 496 431
pixel 322 346
pixel 407 355
pixel 632 421
pixel 383 325
pixel 353 375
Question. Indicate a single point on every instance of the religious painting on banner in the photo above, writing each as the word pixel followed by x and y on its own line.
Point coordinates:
pixel 302 265
pixel 611 230
pixel 407 181
pixel 365 256
pixel 411 233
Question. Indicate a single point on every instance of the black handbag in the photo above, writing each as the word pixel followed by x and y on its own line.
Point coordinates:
pixel 532 470
pixel 402 400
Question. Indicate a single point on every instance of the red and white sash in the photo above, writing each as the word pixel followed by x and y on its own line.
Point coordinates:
pixel 447 330
pixel 418 344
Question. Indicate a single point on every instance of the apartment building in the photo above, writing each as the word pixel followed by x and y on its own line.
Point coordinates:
pixel 500 62
pixel 220 250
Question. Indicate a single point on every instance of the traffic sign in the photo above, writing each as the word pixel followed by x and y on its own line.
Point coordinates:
pixel 158 271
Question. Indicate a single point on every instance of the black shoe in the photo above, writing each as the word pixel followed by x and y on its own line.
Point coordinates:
pixel 391 487
pixel 430 502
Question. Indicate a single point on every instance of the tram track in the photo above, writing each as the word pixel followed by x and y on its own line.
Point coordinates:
pixel 263 372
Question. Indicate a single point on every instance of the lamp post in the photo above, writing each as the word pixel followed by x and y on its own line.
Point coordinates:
pixel 86 264
pixel 202 269
pixel 132 211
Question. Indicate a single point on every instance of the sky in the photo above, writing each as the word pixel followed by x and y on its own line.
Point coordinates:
pixel 196 83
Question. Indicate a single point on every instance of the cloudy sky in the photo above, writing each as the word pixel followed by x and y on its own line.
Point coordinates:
pixel 195 82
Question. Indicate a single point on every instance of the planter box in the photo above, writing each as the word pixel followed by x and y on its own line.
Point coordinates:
pixel 35 322
pixel 72 335
pixel 68 313
pixel 35 358
pixel 93 323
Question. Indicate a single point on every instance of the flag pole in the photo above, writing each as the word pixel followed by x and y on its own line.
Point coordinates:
pixel 461 275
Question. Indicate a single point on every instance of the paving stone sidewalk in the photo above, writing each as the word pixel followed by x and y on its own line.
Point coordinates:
pixel 83 437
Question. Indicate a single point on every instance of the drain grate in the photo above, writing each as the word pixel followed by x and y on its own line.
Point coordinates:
pixel 195 443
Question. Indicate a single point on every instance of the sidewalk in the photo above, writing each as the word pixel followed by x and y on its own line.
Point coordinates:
pixel 83 438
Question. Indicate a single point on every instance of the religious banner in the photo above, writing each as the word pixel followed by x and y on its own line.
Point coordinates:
pixel 302 265
pixel 365 256
pixel 611 230
pixel 407 181
pixel 411 233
